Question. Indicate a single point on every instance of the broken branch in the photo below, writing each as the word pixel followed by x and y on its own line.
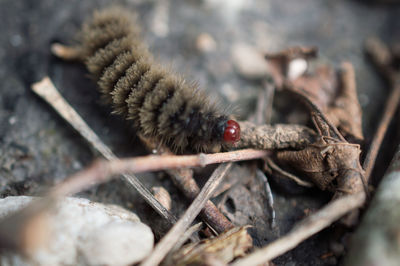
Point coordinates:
pixel 101 171
pixel 172 237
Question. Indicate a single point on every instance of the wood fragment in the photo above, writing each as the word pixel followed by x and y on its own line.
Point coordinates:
pixel 70 53
pixel 279 136
pixel 183 179
pixel 304 229
pixel 172 237
pixel 49 93
pixel 162 195
pixel 102 171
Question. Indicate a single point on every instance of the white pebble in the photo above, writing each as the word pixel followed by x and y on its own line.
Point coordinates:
pixel 85 233
pixel 117 243
pixel 296 68
pixel 248 62
pixel 205 43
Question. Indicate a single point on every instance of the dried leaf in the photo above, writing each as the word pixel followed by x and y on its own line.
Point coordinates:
pixel 335 96
pixel 280 64
pixel 326 160
pixel 333 93
pixel 322 162
pixel 223 249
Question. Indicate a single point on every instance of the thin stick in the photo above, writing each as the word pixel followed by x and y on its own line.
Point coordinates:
pixel 66 52
pixel 381 57
pixel 391 106
pixel 183 179
pixel 304 229
pixel 185 237
pixel 101 171
pixel 275 167
pixel 49 93
pixel 172 237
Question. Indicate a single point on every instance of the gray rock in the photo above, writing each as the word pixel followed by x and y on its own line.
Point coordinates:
pixel 85 233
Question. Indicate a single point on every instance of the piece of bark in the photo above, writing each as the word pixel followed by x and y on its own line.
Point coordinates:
pixel 377 240
pixel 278 136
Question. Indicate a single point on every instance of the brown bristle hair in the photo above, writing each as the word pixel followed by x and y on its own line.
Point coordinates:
pixel 161 104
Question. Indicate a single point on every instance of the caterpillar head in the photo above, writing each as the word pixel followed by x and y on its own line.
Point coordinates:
pixel 231 132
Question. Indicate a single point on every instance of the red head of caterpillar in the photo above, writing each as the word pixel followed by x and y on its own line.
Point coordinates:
pixel 161 105
pixel 232 131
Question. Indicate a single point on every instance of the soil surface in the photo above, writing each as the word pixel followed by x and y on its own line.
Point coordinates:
pixel 38 148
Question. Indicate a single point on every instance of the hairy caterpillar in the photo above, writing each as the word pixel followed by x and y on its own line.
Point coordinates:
pixel 161 105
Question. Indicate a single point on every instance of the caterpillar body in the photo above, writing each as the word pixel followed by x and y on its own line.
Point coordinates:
pixel 161 104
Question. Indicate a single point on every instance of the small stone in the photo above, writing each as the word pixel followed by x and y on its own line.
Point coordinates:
pixel 297 68
pixel 82 232
pixel 16 40
pixel 117 243
pixel 12 120
pixel 249 63
pixel 205 43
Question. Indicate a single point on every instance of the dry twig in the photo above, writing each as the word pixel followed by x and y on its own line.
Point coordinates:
pixel 184 180
pixel 274 137
pixel 66 52
pixel 101 171
pixel 382 58
pixel 48 92
pixel 172 237
pixel 272 167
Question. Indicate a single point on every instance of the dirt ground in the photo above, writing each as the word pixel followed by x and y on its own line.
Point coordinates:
pixel 38 149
